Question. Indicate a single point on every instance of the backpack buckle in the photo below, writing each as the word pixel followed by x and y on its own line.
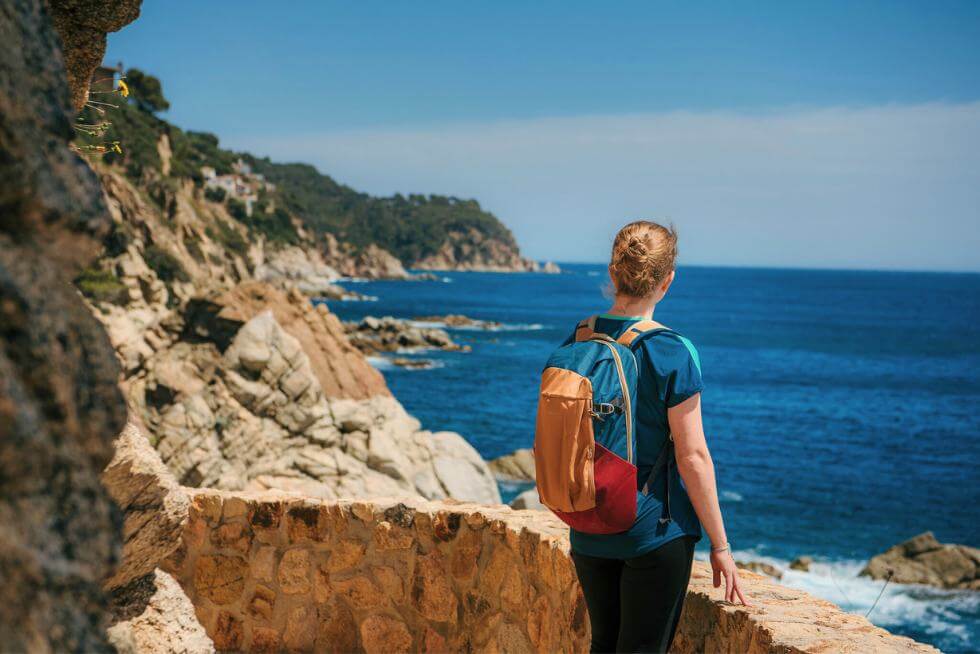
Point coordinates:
pixel 601 409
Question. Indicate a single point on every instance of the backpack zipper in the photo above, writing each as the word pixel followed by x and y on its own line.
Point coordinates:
pixel 598 338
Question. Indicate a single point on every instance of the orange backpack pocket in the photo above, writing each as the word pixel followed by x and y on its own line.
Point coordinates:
pixel 564 443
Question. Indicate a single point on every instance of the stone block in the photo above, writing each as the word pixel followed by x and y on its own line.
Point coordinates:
pixel 383 634
pixel 263 603
pixel 359 592
pixel 336 629
pixel 228 632
pixel 294 572
pixel 301 522
pixel 345 555
pixel 220 578
pixel 432 594
pixel 301 627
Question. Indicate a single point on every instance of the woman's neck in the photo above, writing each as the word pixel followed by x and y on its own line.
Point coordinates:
pixel 633 306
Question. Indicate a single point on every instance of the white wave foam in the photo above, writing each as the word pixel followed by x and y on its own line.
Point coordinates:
pixel 936 612
pixel 381 363
pixel 359 298
pixel 592 273
pixel 446 280
pixel 478 327
pixel 731 496
pixel 385 364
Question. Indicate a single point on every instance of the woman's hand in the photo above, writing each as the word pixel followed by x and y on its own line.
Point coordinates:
pixel 723 565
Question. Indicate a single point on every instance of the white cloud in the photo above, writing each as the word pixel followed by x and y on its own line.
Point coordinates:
pixel 871 187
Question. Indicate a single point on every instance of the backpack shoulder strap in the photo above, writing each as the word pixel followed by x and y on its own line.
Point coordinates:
pixel 639 329
pixel 585 329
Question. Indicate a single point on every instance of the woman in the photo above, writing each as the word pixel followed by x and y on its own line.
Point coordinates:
pixel 635 582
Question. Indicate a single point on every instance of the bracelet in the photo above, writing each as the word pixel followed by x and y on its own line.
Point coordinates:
pixel 726 547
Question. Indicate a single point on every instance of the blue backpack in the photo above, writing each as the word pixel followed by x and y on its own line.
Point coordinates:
pixel 585 437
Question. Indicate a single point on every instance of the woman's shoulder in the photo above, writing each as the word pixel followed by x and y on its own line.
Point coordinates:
pixel 669 349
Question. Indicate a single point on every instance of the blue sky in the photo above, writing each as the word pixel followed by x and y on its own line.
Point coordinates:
pixel 785 133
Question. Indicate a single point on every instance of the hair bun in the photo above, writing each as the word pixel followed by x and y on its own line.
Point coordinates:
pixel 643 255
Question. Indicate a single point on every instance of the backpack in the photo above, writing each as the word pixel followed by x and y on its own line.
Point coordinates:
pixel 585 438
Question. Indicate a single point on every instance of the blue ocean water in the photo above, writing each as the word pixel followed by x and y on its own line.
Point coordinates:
pixel 842 408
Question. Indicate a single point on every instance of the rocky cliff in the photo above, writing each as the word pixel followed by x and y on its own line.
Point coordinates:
pixel 240 382
pixel 60 406
pixel 474 250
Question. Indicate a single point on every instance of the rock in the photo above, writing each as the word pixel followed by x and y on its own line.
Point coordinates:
pixel 342 371
pixel 373 335
pixel 528 500
pixel 372 262
pixel 801 563
pixel 458 320
pixel 303 268
pixel 462 471
pixel 518 465
pixel 82 27
pixel 60 406
pixel 924 560
pixel 551 268
pixel 761 568
pixel 415 364
pixel 474 250
pixel 157 618
pixel 382 634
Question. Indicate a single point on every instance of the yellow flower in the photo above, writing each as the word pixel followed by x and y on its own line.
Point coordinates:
pixel 116 148
pixel 123 89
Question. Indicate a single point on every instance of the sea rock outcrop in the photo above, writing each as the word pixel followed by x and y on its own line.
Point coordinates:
pixel 372 335
pixel 761 568
pixel 924 560
pixel 474 250
pixel 60 406
pixel 518 465
pixel 456 320
pixel 371 262
pixel 304 269
pixel 529 499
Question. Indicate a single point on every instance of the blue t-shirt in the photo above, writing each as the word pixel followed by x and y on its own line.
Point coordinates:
pixel 669 373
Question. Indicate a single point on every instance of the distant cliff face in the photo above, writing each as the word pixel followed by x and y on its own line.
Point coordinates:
pixel 377 236
pixel 475 250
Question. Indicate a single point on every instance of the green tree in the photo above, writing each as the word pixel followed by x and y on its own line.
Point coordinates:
pixel 146 91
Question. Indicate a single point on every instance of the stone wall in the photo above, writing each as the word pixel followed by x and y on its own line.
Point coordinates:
pixel 271 572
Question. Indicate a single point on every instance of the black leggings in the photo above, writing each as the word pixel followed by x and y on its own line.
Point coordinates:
pixel 635 604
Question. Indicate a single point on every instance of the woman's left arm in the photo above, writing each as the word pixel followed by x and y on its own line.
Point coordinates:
pixel 698 471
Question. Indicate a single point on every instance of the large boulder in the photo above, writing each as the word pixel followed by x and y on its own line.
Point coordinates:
pixel 924 560
pixel 60 406
pixel 518 465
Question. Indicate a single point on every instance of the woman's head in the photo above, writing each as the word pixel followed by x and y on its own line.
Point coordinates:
pixel 642 262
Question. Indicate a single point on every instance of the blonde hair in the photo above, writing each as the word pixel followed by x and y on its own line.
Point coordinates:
pixel 643 256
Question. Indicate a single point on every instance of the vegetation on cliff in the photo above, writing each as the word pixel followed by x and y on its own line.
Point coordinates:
pixel 413 228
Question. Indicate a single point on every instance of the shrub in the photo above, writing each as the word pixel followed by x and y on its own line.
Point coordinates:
pixel 165 265
pixel 101 286
pixel 229 237
pixel 214 194
pixel 237 209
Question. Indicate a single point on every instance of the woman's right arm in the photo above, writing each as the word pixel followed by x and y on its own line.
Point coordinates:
pixel 698 472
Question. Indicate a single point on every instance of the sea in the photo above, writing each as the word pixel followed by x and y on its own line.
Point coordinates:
pixel 842 408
